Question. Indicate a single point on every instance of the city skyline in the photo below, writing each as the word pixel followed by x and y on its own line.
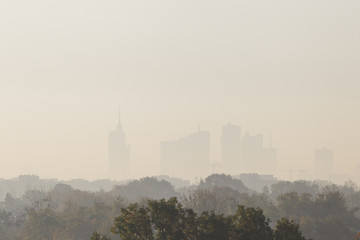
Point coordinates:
pixel 233 112
pixel 280 68
pixel 189 157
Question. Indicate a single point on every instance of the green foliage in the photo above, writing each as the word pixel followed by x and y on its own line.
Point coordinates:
pixel 221 200
pixel 147 187
pixel 321 217
pixel 97 236
pixel 168 220
pixel 213 227
pixel 250 223
pixel 133 223
pixel 299 187
pixel 293 204
pixel 6 226
pixel 209 211
pixel 223 180
pixel 287 230
pixel 262 201
pixel 40 225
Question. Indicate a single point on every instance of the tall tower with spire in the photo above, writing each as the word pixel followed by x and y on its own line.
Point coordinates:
pixel 119 153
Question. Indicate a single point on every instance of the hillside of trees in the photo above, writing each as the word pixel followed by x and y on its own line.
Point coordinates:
pixel 219 207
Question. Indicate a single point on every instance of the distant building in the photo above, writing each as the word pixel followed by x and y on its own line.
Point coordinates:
pixel 119 154
pixel 252 152
pixel 255 158
pixel 231 148
pixel 187 157
pixel 323 167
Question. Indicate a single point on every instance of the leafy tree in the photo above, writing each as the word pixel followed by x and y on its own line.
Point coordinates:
pixel 133 223
pixel 97 236
pixel 324 216
pixel 287 230
pixel 250 224
pixel 99 217
pixel 223 180
pixel 168 219
pixel 77 222
pixel 148 187
pixel 262 201
pixel 40 225
pixel 221 200
pixel 36 200
pixel 213 227
pixel 299 187
pixel 6 226
pixel 294 205
pixel 332 219
pixel 190 228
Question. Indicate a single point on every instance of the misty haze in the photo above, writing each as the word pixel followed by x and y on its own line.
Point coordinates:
pixel 201 120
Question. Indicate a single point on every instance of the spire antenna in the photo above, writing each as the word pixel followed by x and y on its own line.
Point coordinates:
pixel 119 120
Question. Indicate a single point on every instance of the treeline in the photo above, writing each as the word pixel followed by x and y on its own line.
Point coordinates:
pixel 64 213
pixel 163 220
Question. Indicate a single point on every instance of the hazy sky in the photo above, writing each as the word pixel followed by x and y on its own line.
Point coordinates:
pixel 281 67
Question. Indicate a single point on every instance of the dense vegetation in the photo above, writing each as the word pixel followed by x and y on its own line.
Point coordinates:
pixel 163 220
pixel 220 207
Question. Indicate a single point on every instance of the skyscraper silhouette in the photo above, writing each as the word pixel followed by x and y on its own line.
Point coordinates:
pixel 230 148
pixel 255 158
pixel 252 147
pixel 187 157
pixel 119 153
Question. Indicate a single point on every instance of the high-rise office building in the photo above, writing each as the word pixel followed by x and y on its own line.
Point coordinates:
pixel 323 164
pixel 255 158
pixel 119 154
pixel 231 148
pixel 187 157
pixel 252 147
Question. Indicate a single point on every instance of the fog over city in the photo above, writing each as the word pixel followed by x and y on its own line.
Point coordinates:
pixel 284 71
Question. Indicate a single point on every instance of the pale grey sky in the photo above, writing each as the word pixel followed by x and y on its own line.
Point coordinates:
pixel 280 67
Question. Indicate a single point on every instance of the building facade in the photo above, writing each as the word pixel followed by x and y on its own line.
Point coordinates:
pixel 231 148
pixel 119 154
pixel 187 157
